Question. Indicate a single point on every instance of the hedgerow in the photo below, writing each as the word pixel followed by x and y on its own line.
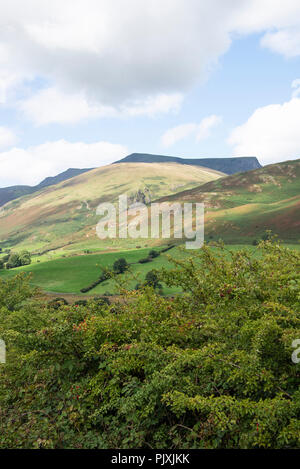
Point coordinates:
pixel 210 368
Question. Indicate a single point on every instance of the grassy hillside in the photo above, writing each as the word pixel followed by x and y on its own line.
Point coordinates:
pixel 244 206
pixel 71 274
pixel 10 193
pixel 65 214
pixel 239 209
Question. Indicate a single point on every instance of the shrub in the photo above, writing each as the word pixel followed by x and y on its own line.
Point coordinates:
pixel 13 261
pixel 266 236
pixel 17 260
pixel 104 276
pixel 15 291
pixel 101 300
pixel 120 266
pixel 145 260
pixel 153 253
pixel 152 280
pixel 210 368
pixel 56 303
pixel 168 248
pixel 25 258
pixel 81 303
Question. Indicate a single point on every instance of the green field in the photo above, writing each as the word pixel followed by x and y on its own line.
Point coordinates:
pixel 71 274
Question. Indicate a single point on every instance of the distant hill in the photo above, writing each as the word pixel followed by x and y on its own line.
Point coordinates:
pixel 68 174
pixel 225 165
pixel 239 208
pixel 13 192
pixel 243 206
pixel 65 213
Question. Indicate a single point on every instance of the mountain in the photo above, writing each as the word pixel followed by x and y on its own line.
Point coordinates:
pixel 13 192
pixel 239 207
pixel 242 207
pixel 68 174
pixel 225 165
pixel 65 213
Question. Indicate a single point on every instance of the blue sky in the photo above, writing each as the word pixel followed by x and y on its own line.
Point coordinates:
pixel 83 86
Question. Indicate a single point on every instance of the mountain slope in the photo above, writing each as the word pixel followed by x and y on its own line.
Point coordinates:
pixel 13 192
pixel 66 213
pixel 244 206
pixel 225 165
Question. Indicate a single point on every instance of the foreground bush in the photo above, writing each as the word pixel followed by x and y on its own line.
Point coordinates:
pixel 211 368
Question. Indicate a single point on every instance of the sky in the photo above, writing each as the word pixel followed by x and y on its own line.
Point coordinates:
pixel 86 82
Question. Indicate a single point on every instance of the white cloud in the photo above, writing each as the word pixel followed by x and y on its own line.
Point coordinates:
pixel 177 133
pixel 111 52
pixel 279 22
pixel 206 125
pixel 271 133
pixel 200 131
pixel 127 58
pixel 285 42
pixel 159 104
pixel 296 87
pixel 33 164
pixel 51 105
pixel 7 137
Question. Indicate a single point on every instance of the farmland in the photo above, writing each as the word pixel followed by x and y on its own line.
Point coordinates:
pixel 71 274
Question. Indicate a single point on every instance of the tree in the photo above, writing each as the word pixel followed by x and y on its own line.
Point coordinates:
pixel 152 279
pixel 13 261
pixel 153 253
pixel 17 260
pixel 14 291
pixel 266 236
pixel 25 258
pixel 120 266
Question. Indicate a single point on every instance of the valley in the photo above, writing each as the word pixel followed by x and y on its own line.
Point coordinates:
pixel 57 224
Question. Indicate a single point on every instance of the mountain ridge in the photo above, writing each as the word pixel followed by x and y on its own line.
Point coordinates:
pixel 230 165
pixel 227 166
pixel 14 192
